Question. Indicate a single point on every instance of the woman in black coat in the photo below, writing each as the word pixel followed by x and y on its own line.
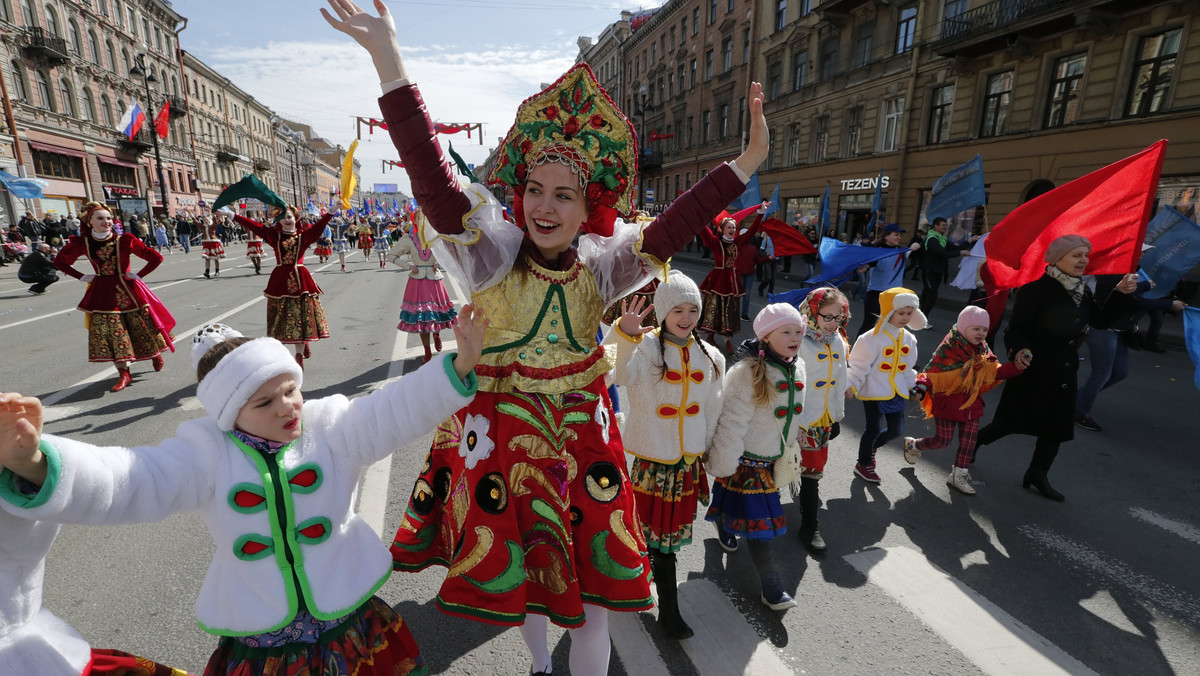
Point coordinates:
pixel 1050 319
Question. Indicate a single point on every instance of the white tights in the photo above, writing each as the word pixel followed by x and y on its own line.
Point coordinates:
pixel 590 645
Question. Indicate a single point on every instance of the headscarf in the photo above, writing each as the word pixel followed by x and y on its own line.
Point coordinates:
pixel 958 367
pixel 810 308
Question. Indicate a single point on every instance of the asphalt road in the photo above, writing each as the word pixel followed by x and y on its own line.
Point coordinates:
pixel 918 578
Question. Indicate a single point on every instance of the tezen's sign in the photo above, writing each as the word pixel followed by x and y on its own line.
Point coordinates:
pixel 112 192
pixel 867 183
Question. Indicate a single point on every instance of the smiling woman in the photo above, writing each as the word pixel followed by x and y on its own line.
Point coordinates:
pixel 543 527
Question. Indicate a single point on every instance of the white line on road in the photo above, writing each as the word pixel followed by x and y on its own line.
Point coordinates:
pixel 995 641
pixel 72 309
pixel 635 646
pixel 1183 530
pixel 724 643
pixel 373 492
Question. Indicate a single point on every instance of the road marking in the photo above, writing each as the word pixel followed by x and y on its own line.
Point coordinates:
pixel 635 646
pixel 724 643
pixel 373 491
pixel 993 640
pixel 71 309
pixel 1183 530
pixel 1114 573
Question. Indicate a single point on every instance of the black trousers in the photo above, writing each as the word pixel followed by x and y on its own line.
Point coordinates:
pixel 39 282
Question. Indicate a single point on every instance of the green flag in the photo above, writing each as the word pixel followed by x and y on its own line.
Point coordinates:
pixel 249 186
pixel 462 166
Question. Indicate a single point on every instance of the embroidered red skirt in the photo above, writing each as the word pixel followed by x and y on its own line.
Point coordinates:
pixel 667 496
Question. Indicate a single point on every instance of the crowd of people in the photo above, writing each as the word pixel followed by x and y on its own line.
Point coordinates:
pixel 525 495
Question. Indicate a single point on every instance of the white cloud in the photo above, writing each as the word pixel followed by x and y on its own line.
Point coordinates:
pixel 328 83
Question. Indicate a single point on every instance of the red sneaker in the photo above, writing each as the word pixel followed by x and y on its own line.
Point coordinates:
pixel 867 473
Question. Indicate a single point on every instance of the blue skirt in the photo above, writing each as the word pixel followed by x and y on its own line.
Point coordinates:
pixel 747 504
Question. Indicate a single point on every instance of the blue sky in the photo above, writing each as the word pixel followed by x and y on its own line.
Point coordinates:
pixel 475 61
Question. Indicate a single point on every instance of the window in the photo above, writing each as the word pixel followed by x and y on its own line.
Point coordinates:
pixel 691 127
pixel 805 7
pixel 88 112
pixel 774 80
pixel 112 55
pixel 174 86
pixel 111 173
pixel 1063 107
pixel 712 11
pixel 726 55
pixel 124 62
pixel 791 155
pixel 18 80
pixel 158 43
pixel 102 5
pixel 52 22
pixel 729 8
pixel 708 65
pixel 1152 72
pixel 906 29
pixel 106 111
pixel 117 12
pixel 741 108
pixel 683 30
pixel 820 144
pixel 43 85
pixel 799 70
pixel 670 85
pixel 695 20
pixel 76 40
pixel 672 38
pixel 94 48
pixel 780 14
pixel 27 15
pixel 893 118
pixel 864 37
pixel 129 14
pixel 996 103
pixel 64 91
pixel 53 165
pixel 705 120
pixel 682 77
pixel 746 46
pixel 951 24
pixel 829 55
pixel 939 114
pixel 692 77
pixel 653 53
pixel 724 120
pixel 853 130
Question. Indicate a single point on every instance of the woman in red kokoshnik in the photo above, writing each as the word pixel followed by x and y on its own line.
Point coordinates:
pixel 294 312
pixel 524 495
pixel 125 321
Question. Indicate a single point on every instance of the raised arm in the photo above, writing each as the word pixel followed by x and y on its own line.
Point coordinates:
pixel 255 227
pixel 314 231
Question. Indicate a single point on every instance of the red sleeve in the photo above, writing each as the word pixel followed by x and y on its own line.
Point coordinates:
pixel 267 233
pixel 314 232
pixel 71 251
pixel 433 182
pixel 139 249
pixel 692 213
pixel 1008 370
pixel 751 231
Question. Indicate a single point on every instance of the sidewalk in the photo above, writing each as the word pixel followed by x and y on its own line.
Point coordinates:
pixel 949 298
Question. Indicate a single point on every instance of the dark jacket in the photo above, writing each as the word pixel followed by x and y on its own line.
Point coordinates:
pixel 1128 318
pixel 36 267
pixel 935 258
pixel 1046 322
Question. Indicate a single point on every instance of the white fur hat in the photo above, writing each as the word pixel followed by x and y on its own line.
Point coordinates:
pixel 896 298
pixel 238 375
pixel 677 290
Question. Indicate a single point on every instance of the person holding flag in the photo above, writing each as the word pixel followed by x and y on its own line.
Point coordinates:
pixel 885 274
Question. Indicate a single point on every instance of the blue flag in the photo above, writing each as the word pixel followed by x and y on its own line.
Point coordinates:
pixel 876 201
pixel 823 213
pixel 751 196
pixel 1191 336
pixel 23 188
pixel 839 261
pixel 312 208
pixel 1176 241
pixel 959 190
pixel 774 205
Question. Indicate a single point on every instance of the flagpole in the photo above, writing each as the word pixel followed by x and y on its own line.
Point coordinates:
pixel 987 227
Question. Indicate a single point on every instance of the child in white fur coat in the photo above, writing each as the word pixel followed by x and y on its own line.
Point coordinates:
pixel 295 571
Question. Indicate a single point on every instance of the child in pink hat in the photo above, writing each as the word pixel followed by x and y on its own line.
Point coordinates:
pixel 951 389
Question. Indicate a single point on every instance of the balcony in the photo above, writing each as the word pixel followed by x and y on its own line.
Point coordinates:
pixel 44 47
pixel 262 164
pixel 837 8
pixel 179 107
pixel 137 146
pixel 651 159
pixel 1003 24
pixel 228 154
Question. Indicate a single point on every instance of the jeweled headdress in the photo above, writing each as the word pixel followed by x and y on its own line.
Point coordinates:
pixel 574 121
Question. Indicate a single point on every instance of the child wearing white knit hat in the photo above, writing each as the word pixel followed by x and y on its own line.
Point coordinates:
pixel 295 570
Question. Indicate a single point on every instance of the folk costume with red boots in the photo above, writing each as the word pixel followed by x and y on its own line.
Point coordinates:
pixel 525 496
pixel 722 286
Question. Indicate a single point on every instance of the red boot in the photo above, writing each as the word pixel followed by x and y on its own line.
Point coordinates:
pixel 158 362
pixel 437 342
pixel 300 359
pixel 123 380
pixel 428 355
pixel 307 351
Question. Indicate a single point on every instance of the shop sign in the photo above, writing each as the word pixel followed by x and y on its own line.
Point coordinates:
pixel 185 201
pixel 113 192
pixel 867 183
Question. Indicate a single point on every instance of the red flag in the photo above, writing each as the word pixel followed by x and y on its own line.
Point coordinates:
pixel 787 240
pixel 160 120
pixel 1110 207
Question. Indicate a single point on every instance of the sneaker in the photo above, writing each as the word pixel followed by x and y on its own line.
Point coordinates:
pixel 960 480
pixel 911 452
pixel 1087 423
pixel 866 473
pixel 745 317
pixel 728 541
pixel 782 601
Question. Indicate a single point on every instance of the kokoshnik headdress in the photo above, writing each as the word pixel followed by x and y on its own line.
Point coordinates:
pixel 573 121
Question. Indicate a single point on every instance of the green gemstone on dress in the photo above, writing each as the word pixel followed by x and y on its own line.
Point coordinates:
pixel 554 307
pixel 553 337
pixel 553 322
pixel 522 355
pixel 538 350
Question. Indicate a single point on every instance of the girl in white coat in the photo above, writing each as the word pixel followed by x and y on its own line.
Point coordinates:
pixel 672 386
pixel 294 576
pixel 756 448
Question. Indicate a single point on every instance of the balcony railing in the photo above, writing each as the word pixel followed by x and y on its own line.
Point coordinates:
pixel 996 14
pixel 651 159
pixel 227 154
pixel 262 164
pixel 46 47
pixel 179 107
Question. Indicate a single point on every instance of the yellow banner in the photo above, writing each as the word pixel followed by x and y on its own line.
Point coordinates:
pixel 348 180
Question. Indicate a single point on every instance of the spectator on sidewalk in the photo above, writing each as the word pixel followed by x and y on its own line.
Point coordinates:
pixel 38 269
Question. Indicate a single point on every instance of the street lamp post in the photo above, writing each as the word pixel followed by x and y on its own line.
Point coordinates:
pixel 643 107
pixel 140 70
pixel 290 135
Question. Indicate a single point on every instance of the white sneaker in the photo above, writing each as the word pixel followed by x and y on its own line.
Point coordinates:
pixel 960 479
pixel 911 452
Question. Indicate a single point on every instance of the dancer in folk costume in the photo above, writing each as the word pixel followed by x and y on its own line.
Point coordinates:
pixel 722 286
pixel 341 245
pixel 382 242
pixel 673 385
pixel 824 352
pixel 324 248
pixel 294 312
pixel 366 239
pixel 427 308
pixel 525 495
pixel 211 250
pixel 254 251
pixel 125 320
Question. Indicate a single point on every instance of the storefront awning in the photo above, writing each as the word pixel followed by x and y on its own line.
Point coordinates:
pixel 119 163
pixel 50 148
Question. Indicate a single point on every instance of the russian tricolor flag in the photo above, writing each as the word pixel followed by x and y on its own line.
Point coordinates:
pixel 132 121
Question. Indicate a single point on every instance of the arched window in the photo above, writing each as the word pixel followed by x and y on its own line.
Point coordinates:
pixel 106 111
pixel 73 31
pixel 43 85
pixel 102 5
pixel 124 62
pixel 27 15
pixel 89 106
pixel 94 46
pixel 174 86
pixel 112 55
pixel 52 22
pixel 18 80
pixel 68 101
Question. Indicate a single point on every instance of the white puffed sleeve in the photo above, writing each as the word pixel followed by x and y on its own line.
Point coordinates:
pixel 617 262
pixel 484 252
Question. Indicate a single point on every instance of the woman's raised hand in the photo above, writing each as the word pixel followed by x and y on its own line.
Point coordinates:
pixel 632 316
pixel 760 137
pixel 468 334
pixel 377 34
